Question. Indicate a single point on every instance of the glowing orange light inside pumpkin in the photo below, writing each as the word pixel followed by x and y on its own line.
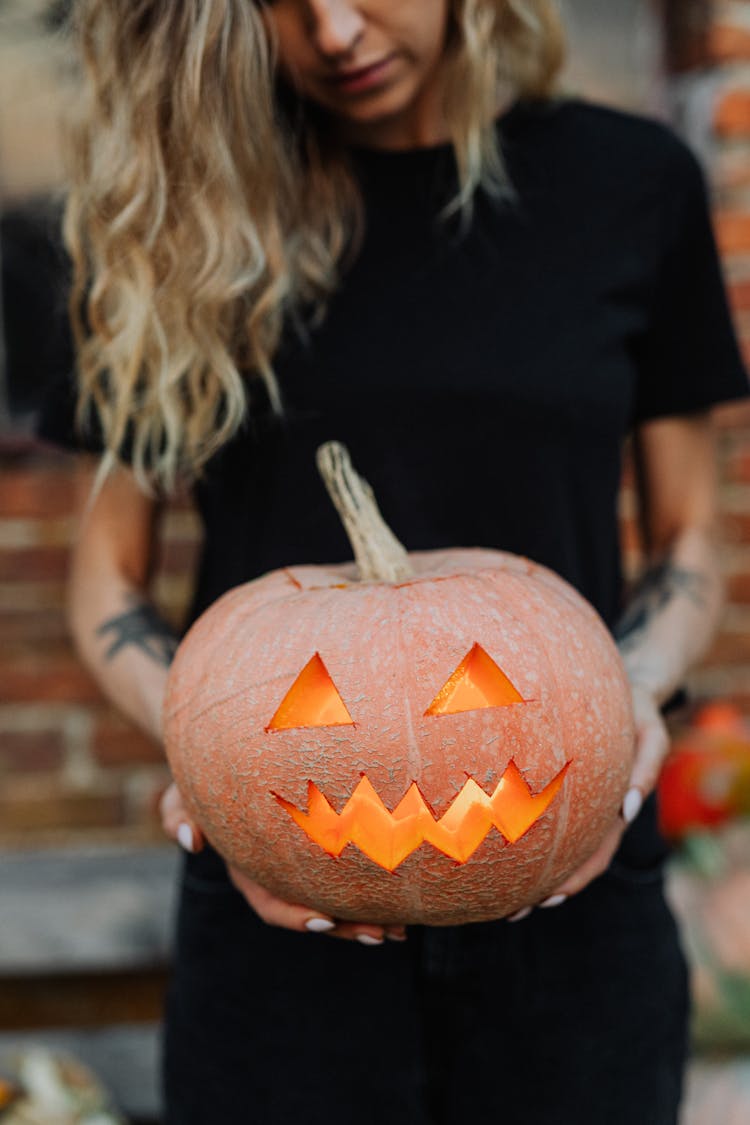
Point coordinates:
pixel 477 682
pixel 389 837
pixel 312 701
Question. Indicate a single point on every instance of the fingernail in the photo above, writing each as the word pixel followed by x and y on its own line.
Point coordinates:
pixel 519 914
pixel 395 935
pixel 185 837
pixel 368 939
pixel 632 804
pixel 319 925
pixel 554 900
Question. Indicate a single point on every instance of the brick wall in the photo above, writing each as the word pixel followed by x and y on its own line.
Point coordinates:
pixel 70 769
pixel 710 57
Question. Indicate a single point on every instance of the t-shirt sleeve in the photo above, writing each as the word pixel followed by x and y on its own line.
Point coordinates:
pixel 689 358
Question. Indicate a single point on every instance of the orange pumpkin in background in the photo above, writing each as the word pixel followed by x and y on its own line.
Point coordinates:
pixel 705 781
pixel 436 737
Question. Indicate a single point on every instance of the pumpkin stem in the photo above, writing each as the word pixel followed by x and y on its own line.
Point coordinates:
pixel 378 554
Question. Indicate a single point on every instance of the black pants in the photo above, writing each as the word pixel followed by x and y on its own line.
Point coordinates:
pixel 575 1016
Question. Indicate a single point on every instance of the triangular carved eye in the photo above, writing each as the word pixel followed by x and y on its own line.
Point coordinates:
pixel 312 701
pixel 477 682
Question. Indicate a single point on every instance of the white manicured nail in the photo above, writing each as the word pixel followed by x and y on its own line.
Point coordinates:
pixel 632 805
pixel 185 837
pixel 367 939
pixel 554 900
pixel 519 914
pixel 319 925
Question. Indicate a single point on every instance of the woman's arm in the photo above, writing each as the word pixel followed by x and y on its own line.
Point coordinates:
pixel 118 633
pixel 672 616
pixel 674 610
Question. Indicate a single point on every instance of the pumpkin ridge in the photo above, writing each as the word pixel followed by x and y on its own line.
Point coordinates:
pixel 412 741
pixel 415 761
pixel 541 645
pixel 421 579
pixel 561 820
pixel 562 817
pixel 219 701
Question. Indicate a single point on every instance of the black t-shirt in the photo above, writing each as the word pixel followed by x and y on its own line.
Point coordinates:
pixel 485 382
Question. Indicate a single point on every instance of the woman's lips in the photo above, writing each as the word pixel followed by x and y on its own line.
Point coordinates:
pixel 363 78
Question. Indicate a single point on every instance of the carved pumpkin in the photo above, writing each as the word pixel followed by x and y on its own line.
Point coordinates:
pixel 437 737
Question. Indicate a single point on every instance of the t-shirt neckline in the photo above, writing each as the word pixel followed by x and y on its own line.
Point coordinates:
pixel 372 154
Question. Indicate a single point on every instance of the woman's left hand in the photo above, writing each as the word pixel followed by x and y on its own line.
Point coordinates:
pixel 652 744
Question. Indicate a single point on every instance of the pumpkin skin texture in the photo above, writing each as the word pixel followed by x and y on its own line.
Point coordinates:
pixel 389 648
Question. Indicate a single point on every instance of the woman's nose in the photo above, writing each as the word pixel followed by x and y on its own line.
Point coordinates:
pixel 336 26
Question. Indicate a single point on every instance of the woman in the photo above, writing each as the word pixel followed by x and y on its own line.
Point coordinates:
pixel 374 220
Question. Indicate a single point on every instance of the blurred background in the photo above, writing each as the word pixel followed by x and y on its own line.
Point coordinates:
pixel 86 879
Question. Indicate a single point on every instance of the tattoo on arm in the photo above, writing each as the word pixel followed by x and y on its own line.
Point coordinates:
pixel 658 586
pixel 141 627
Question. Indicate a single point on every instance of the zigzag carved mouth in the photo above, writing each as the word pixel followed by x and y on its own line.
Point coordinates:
pixel 389 837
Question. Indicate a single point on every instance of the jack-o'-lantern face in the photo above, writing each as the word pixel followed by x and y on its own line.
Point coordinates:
pixel 387 837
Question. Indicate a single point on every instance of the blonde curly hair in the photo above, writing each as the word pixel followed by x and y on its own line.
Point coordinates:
pixel 198 219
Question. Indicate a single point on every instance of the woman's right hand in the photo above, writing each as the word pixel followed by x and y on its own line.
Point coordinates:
pixel 177 822
pixel 179 826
